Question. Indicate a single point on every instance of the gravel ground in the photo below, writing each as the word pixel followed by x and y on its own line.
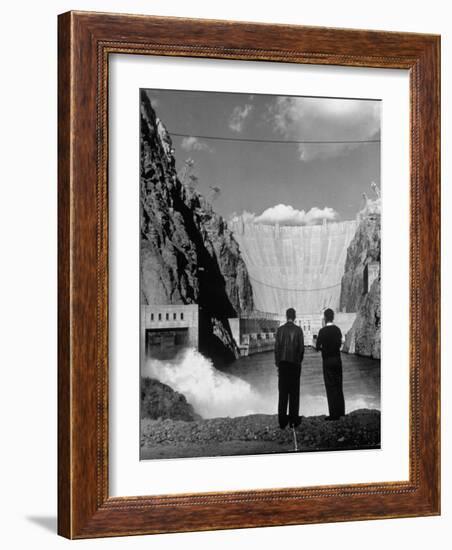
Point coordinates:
pixel 255 434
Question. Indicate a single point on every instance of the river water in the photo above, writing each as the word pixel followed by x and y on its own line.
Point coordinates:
pixel 361 381
pixel 250 384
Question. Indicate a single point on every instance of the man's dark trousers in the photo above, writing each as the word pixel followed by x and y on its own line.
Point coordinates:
pixel 289 392
pixel 332 375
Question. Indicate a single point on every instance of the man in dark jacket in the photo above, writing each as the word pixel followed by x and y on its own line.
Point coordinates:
pixel 329 340
pixel 289 351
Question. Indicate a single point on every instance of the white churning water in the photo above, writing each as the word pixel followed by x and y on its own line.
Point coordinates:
pixel 211 392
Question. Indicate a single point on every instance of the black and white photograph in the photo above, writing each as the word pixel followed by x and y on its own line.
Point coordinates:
pixel 226 227
pixel 260 274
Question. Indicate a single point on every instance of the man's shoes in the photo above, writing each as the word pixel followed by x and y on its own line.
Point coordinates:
pixel 291 423
pixel 283 421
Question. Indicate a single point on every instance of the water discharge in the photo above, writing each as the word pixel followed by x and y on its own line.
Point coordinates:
pixel 250 384
pixel 211 392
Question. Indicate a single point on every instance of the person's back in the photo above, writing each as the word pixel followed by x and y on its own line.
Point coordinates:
pixel 289 345
pixel 289 351
pixel 329 341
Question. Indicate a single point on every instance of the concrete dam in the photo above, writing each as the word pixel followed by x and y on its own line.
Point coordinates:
pixel 295 266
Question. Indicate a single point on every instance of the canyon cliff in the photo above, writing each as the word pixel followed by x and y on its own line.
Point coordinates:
pixel 364 336
pixel 188 254
pixel 360 289
pixel 364 249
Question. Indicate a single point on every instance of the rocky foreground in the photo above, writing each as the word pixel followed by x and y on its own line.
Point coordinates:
pixel 256 434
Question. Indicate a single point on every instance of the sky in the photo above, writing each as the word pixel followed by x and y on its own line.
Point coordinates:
pixel 286 183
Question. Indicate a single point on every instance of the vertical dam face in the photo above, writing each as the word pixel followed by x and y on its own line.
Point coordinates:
pixel 295 266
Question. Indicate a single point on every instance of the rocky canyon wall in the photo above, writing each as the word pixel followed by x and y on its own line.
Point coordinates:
pixel 359 292
pixel 188 254
pixel 364 338
pixel 364 250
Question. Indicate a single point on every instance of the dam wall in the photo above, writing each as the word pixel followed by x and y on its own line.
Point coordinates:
pixel 295 266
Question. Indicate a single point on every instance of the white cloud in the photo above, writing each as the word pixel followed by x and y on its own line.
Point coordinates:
pixel 285 214
pixel 325 119
pixel 194 144
pixel 238 117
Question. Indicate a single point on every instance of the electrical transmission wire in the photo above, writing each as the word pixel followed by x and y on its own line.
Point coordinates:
pixel 256 140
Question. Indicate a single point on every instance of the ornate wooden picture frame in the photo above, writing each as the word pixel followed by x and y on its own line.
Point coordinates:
pixel 86 40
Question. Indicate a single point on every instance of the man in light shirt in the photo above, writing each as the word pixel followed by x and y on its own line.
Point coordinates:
pixel 329 341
